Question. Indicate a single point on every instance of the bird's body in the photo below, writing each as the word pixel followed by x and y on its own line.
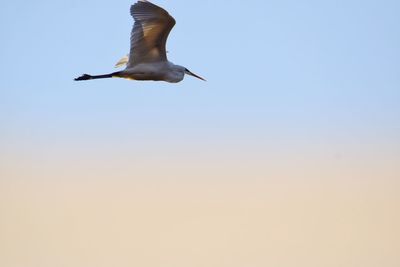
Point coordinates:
pixel 157 71
pixel 147 60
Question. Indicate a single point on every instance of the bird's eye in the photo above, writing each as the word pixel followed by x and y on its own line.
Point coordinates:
pixel 187 70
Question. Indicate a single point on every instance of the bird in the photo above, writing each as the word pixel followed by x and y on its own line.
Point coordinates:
pixel 147 59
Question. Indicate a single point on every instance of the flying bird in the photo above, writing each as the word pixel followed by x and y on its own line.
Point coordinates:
pixel 147 59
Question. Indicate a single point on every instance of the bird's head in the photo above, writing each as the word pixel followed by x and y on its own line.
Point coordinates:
pixel 188 72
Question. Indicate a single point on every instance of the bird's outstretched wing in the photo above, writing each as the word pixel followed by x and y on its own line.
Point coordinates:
pixel 149 34
pixel 122 62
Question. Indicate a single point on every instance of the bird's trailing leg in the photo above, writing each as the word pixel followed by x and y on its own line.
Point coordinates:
pixel 86 77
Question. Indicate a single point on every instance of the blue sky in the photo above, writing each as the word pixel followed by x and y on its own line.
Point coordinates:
pixel 288 156
pixel 284 71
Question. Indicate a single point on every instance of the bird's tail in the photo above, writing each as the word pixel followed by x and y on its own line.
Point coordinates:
pixel 86 77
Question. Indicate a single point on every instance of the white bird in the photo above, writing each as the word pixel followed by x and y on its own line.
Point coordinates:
pixel 147 59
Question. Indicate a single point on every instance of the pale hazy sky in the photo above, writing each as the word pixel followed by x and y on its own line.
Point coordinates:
pixel 288 156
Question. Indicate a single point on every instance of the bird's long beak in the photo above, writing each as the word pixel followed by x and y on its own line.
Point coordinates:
pixel 194 75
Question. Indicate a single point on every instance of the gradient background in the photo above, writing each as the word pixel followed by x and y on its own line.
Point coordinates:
pixel 288 156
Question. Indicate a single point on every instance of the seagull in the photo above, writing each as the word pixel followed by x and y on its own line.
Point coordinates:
pixel 147 59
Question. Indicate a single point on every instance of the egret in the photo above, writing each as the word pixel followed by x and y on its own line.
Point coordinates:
pixel 147 59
